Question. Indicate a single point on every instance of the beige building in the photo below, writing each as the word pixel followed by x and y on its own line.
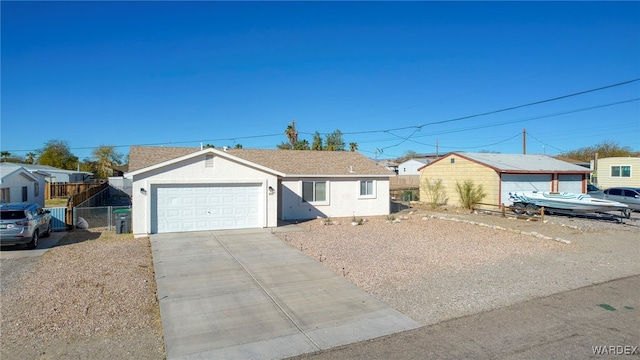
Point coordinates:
pixel 500 174
pixel 616 171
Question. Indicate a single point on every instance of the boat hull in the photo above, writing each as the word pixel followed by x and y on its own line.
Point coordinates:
pixel 579 203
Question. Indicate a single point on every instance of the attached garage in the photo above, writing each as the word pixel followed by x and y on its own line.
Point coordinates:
pixel 188 189
pixel 189 207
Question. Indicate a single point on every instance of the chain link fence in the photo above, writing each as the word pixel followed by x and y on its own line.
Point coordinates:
pixel 102 217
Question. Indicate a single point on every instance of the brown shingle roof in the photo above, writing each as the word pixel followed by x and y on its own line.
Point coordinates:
pixel 289 162
pixel 142 156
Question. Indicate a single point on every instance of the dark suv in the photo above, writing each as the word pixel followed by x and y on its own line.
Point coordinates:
pixel 23 223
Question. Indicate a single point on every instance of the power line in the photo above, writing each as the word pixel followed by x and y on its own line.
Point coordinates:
pixel 508 122
pixel 415 127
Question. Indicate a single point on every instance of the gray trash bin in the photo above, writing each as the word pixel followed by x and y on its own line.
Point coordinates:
pixel 123 221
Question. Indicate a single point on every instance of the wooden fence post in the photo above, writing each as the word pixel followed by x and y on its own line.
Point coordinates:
pixel 542 213
pixel 502 210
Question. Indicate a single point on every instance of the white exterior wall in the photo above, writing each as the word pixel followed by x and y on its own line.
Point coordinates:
pixel 17 180
pixel 410 167
pixel 343 195
pixel 193 171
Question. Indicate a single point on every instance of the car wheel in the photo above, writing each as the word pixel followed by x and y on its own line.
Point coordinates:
pixel 48 232
pixel 34 241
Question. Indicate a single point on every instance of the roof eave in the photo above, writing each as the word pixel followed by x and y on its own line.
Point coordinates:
pixel 199 153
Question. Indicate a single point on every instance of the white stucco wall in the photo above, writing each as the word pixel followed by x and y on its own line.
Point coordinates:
pixel 18 179
pixel 194 171
pixel 343 199
pixel 410 167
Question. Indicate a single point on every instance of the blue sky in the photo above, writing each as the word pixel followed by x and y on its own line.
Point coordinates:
pixel 392 77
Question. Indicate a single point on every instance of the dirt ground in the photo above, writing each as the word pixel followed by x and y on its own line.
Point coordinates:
pixel 133 330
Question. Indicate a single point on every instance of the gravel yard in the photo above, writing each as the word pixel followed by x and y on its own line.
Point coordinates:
pixel 94 296
pixel 89 298
pixel 434 266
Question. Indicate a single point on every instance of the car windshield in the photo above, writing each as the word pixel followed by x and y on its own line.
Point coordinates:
pixel 12 214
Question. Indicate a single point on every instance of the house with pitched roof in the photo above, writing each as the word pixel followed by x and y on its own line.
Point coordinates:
pixel 18 184
pixel 191 189
pixel 500 174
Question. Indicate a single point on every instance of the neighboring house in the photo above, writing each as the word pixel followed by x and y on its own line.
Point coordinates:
pixel 500 174
pixel 411 166
pixel 18 184
pixel 188 189
pixel 59 175
pixel 616 171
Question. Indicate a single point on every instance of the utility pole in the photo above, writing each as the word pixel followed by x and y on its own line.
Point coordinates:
pixel 436 148
pixel 524 141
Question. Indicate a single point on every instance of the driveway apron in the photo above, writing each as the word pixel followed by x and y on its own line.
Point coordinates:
pixel 245 294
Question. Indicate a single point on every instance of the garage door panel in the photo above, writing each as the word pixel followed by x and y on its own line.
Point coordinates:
pixel 205 207
pixel 523 182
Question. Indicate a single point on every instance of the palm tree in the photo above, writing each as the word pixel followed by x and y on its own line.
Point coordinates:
pixel 4 155
pixel 353 146
pixel 292 133
pixel 31 157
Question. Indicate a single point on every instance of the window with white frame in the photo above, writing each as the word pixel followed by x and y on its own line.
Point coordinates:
pixel 25 194
pixel 314 191
pixel 36 189
pixel 366 188
pixel 620 171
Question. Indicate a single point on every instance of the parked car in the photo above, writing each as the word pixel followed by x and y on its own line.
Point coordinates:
pixel 23 223
pixel 594 191
pixel 625 195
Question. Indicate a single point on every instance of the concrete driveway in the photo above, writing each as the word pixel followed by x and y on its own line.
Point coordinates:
pixel 245 294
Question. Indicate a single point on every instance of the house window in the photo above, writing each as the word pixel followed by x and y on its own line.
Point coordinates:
pixel 453 160
pixel 4 195
pixel 366 188
pixel 208 161
pixel 25 195
pixel 36 189
pixel 314 191
pixel 620 171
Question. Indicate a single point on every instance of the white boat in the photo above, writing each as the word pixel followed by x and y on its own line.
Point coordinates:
pixel 531 201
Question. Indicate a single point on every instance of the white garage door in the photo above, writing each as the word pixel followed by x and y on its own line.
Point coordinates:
pixel 570 183
pixel 177 208
pixel 524 182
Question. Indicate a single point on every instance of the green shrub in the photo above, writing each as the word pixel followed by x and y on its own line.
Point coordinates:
pixel 435 192
pixel 470 194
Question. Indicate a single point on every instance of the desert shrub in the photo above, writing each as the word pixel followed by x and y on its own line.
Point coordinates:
pixel 435 192
pixel 470 194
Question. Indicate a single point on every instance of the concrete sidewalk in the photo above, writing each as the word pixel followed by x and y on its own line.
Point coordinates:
pixel 245 294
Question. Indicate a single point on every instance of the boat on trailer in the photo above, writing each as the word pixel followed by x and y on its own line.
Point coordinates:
pixel 530 202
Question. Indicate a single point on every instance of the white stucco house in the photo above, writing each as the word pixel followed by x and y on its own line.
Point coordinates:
pixel 17 184
pixel 191 189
